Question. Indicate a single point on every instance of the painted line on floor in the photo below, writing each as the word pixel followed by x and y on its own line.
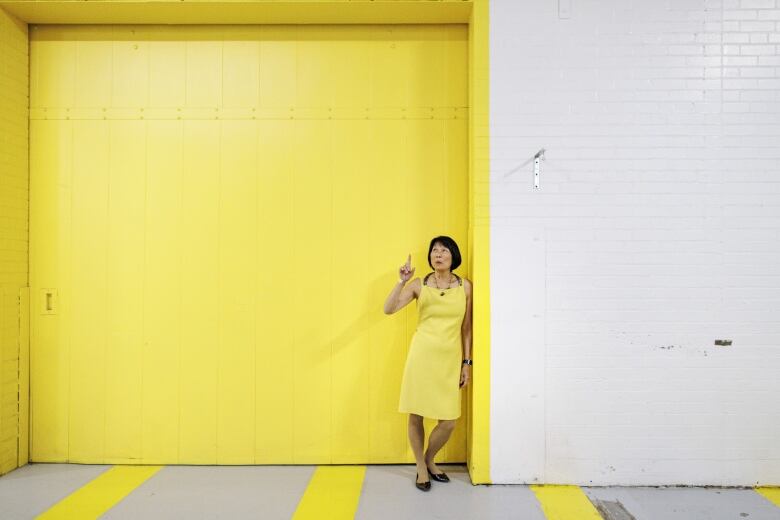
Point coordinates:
pixel 770 493
pixel 565 503
pixel 333 493
pixel 101 494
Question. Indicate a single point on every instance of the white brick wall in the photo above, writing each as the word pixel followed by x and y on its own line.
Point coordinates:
pixel 654 233
pixel 13 224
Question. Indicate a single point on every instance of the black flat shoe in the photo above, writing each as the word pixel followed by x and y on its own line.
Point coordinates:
pixel 439 477
pixel 422 486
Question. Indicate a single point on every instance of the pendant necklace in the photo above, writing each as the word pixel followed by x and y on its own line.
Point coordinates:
pixel 437 285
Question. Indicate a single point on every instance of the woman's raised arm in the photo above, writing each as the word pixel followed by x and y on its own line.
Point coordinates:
pixel 402 294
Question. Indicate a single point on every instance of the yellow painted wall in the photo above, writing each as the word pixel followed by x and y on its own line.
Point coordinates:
pixel 258 12
pixel 14 181
pixel 217 215
pixel 479 238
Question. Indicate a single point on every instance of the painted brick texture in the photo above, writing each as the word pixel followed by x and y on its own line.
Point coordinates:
pixel 655 231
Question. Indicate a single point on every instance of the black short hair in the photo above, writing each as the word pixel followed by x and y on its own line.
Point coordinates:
pixel 449 244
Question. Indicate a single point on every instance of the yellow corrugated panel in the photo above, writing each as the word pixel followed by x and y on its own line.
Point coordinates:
pixel 223 212
pixel 14 180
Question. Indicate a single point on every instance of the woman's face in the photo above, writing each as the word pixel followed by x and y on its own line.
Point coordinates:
pixel 441 258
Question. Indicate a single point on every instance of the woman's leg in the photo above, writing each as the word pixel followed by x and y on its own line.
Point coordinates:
pixel 439 437
pixel 416 439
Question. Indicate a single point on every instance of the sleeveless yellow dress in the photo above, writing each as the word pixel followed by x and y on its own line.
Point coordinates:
pixel 431 382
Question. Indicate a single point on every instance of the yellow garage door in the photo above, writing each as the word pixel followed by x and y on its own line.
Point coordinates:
pixel 217 215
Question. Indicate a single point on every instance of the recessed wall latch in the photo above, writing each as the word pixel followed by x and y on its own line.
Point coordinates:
pixel 48 301
pixel 723 342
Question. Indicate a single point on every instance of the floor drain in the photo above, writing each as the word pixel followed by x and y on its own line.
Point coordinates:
pixel 613 510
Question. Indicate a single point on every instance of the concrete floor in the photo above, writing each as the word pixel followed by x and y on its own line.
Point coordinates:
pixel 273 492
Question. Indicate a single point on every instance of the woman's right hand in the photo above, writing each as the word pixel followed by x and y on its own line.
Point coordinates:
pixel 406 271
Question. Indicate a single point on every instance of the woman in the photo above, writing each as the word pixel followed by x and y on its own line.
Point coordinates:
pixel 439 359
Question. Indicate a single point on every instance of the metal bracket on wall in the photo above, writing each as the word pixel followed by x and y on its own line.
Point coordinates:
pixel 539 155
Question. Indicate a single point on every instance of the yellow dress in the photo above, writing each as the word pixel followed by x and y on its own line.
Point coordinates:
pixel 431 382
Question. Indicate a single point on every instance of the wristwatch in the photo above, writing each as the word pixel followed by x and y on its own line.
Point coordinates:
pixel 468 362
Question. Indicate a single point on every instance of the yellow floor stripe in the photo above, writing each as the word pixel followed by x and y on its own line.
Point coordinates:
pixel 332 494
pixel 770 493
pixel 565 503
pixel 101 494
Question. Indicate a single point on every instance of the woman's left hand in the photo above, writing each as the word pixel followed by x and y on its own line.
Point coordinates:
pixel 465 375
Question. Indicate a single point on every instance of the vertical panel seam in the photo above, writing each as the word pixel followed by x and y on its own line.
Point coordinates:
pixel 255 289
pixel 70 269
pixel 181 288
pixel 107 307
pixel 143 288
